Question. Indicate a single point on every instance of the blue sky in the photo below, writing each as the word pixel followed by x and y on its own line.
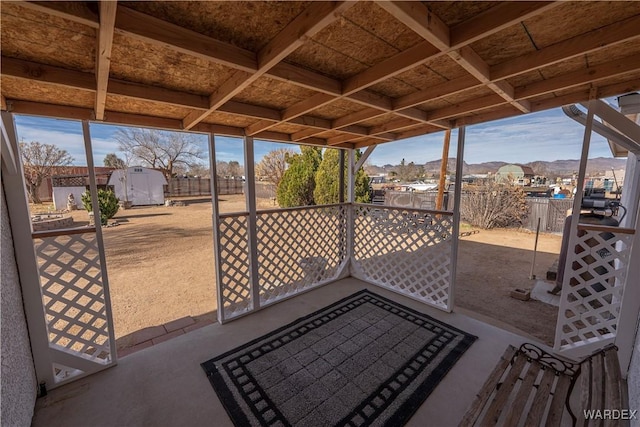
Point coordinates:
pixel 548 135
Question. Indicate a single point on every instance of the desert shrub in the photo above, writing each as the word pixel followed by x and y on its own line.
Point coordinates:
pixel 107 202
pixel 493 205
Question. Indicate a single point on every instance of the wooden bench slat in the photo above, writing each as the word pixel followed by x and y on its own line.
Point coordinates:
pixel 499 401
pixel 534 417
pixel 613 378
pixel 488 387
pixel 585 389
pixel 597 375
pixel 521 398
pixel 559 399
pixel 600 382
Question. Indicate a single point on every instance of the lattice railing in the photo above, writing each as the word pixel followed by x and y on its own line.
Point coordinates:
pixel 592 290
pixel 73 295
pixel 406 250
pixel 299 249
pixel 234 269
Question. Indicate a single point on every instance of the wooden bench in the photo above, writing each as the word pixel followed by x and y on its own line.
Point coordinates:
pixel 531 387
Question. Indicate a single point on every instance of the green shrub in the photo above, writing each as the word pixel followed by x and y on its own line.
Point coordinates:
pixel 107 202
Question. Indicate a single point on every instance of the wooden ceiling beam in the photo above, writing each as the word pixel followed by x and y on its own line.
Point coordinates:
pixel 80 113
pixel 468 59
pixel 576 78
pixel 77 12
pixel 492 21
pixel 423 130
pixel 403 61
pixel 85 81
pixel 579 45
pixel 421 20
pixel 305 133
pixel 152 30
pixel 358 116
pixel 489 22
pixel 394 125
pixel 47 74
pixel 466 107
pixel 304 78
pixel 438 91
pixel 496 114
pixel 496 19
pixel 103 54
pixel 339 139
pixel 307 24
pixel 149 29
pixel 316 17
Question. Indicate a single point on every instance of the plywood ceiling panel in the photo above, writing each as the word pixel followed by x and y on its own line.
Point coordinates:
pixel 246 24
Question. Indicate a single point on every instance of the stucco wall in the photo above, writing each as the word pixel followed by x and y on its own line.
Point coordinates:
pixel 18 373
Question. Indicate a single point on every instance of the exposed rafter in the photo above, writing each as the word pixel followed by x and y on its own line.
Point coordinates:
pixel 103 54
pixel 317 16
pixel 426 109
pixel 83 81
pixel 426 24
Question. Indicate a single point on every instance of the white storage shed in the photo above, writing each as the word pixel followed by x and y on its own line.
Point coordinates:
pixel 143 186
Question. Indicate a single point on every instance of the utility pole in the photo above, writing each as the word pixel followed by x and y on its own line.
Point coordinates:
pixel 443 169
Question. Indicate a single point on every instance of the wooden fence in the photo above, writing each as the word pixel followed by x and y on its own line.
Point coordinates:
pixel 552 213
pixel 202 187
pixel 411 199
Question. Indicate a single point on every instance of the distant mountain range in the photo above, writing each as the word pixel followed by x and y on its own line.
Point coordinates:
pixel 550 169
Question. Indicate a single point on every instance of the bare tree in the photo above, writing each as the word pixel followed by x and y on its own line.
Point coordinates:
pixel 494 205
pixel 222 168
pixel 199 170
pixel 273 165
pixel 168 151
pixel 39 160
pixel 113 161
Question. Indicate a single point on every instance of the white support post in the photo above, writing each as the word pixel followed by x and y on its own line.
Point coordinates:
pixel 630 307
pixel 575 214
pixel 98 226
pixel 252 222
pixel 364 157
pixel 18 210
pixel 351 189
pixel 215 219
pixel 351 198
pixel 456 218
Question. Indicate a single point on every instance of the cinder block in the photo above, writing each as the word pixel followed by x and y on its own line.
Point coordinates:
pixel 521 294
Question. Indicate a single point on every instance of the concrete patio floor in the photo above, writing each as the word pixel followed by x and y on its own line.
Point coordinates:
pixel 165 385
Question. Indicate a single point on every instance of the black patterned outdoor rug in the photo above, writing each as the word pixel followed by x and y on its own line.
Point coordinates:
pixel 362 361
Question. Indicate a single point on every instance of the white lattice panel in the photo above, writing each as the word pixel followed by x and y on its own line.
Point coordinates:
pixel 298 249
pixel 593 287
pixel 235 282
pixel 73 295
pixel 408 251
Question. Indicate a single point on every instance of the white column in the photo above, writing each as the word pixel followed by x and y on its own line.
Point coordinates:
pixel 215 220
pixel 351 198
pixel 575 219
pixel 250 180
pixel 456 218
pixel 18 209
pixel 93 189
pixel 630 307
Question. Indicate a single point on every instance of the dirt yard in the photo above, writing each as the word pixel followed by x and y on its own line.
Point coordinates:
pixel 160 268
